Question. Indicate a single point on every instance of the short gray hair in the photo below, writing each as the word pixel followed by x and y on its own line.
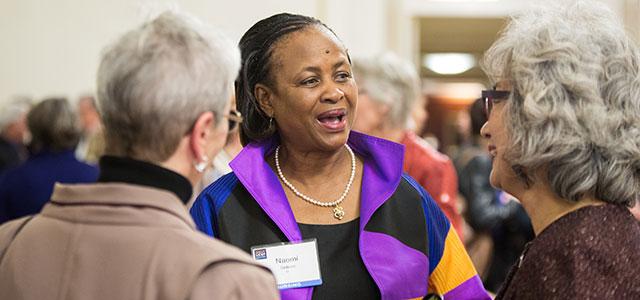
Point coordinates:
pixel 388 79
pixel 11 112
pixel 574 110
pixel 53 124
pixel 156 80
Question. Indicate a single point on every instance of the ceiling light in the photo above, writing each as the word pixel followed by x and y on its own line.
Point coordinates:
pixel 463 93
pixel 449 63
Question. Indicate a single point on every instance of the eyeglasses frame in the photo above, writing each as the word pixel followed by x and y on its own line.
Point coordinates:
pixel 490 96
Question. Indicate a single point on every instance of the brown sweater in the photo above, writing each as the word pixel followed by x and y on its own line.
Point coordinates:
pixel 591 253
pixel 122 241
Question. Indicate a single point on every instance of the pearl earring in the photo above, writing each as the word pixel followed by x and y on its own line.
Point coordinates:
pixel 202 165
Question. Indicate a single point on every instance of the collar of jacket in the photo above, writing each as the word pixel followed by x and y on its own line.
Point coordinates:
pixel 381 176
pixel 97 203
pixel 133 171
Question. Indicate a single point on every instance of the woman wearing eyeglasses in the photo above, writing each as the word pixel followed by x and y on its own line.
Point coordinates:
pixel 328 209
pixel 564 133
pixel 220 163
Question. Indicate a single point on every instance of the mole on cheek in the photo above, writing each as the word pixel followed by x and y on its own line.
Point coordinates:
pixel 327 51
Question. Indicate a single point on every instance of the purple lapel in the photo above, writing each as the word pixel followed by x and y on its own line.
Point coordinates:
pixel 381 176
pixel 382 171
pixel 262 183
pixel 400 271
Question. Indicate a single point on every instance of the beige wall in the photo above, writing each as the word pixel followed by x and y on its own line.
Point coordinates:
pixel 632 18
pixel 52 47
pixel 406 42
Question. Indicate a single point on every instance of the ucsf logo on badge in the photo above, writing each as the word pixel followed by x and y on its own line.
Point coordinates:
pixel 259 254
pixel 294 265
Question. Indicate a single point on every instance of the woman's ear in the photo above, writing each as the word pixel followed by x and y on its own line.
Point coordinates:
pixel 200 135
pixel 264 97
pixel 383 111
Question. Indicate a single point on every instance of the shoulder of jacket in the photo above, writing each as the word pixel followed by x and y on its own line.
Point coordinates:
pixel 9 230
pixel 412 186
pixel 224 183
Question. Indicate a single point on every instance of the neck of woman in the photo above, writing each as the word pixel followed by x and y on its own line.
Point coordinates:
pixel 309 166
pixel 544 207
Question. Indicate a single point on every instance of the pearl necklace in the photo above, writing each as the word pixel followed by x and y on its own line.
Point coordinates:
pixel 338 211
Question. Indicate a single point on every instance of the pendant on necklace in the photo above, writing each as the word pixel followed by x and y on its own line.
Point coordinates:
pixel 338 212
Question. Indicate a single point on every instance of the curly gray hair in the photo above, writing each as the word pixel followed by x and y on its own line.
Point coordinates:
pixel 574 110
pixel 156 80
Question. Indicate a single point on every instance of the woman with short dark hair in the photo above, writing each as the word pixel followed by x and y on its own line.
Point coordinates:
pixel 53 126
pixel 304 175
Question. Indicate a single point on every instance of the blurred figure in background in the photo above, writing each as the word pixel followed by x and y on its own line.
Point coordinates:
pixel 13 132
pixel 221 162
pixel 500 225
pixel 466 145
pixel 390 105
pixel 91 145
pixel 164 97
pixel 54 135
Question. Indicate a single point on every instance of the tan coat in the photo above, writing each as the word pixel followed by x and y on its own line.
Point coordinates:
pixel 121 241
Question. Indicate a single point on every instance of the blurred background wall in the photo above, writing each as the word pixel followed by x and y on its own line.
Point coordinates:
pixel 52 47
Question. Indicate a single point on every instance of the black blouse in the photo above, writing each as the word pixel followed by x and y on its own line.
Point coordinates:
pixel 344 275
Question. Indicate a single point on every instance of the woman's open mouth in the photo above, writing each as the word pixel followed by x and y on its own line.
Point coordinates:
pixel 334 120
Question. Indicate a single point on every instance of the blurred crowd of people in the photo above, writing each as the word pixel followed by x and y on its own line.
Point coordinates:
pixel 42 146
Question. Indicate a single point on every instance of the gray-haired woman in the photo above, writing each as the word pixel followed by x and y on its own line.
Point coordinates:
pixel 164 93
pixel 564 133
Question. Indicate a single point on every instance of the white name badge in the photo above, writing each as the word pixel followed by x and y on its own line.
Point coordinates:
pixel 294 265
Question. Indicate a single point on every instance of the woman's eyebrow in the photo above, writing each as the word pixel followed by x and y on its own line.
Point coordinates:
pixel 339 64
